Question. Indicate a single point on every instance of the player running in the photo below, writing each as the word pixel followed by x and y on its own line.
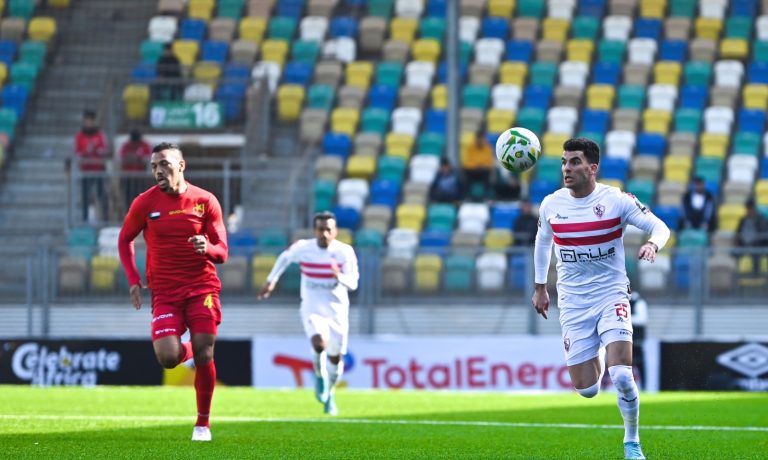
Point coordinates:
pixel 586 220
pixel 185 237
pixel 328 272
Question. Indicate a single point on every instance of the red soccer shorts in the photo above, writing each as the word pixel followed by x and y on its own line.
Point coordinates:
pixel 171 316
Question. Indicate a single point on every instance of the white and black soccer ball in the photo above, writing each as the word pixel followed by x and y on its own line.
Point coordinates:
pixel 518 149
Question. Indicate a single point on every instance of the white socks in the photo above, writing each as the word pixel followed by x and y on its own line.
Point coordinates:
pixel 334 373
pixel 319 363
pixel 628 399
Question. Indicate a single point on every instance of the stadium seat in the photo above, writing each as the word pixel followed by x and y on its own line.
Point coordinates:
pixel 41 28
pixel 458 273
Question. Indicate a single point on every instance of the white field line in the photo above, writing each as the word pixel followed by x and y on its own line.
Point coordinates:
pixel 353 421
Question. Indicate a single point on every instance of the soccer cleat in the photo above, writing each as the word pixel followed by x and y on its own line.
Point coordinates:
pixel 321 389
pixel 330 406
pixel 201 433
pixel 632 451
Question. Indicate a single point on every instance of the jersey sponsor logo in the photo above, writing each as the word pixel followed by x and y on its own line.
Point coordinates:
pixel 199 209
pixel 165 331
pixel 208 302
pixel 599 210
pixel 587 255
pixel 159 317
pixel 558 216
pixel 154 215
pixel 175 211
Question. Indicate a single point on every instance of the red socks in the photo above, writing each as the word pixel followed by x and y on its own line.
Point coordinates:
pixel 205 381
pixel 186 352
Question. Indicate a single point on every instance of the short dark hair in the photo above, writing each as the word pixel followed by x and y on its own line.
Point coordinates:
pixel 89 113
pixel 323 216
pixel 135 135
pixel 166 146
pixel 588 146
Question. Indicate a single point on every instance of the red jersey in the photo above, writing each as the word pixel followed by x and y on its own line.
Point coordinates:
pixel 92 148
pixel 168 221
pixel 135 155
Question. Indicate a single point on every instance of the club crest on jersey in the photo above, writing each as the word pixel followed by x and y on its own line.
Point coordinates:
pixel 567 344
pixel 199 209
pixel 599 210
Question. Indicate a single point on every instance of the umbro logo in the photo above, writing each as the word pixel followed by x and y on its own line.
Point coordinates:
pixel 558 216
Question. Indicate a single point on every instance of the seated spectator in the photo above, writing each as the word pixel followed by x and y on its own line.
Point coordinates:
pixel 477 161
pixel 526 225
pixel 169 87
pixel 134 158
pixel 447 187
pixel 698 207
pixel 506 185
pixel 752 234
pixel 91 148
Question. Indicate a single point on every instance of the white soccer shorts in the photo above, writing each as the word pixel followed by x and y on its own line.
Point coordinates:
pixel 584 329
pixel 331 325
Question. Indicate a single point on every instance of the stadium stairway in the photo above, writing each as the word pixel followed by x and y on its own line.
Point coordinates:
pixel 96 40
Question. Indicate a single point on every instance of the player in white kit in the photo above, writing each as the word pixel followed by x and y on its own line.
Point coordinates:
pixel 586 221
pixel 328 272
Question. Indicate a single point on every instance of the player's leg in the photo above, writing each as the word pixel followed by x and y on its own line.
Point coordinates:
pixel 581 345
pixel 316 329
pixel 337 348
pixel 167 328
pixel 203 314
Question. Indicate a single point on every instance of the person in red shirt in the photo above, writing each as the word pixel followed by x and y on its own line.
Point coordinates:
pixel 134 158
pixel 185 236
pixel 92 150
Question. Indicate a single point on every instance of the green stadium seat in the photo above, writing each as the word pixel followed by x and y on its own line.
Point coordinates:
pixel 686 8
pixel 611 51
pixel 433 27
pixel 324 192
pixel 585 27
pixel 290 282
pixel 389 73
pixel 738 27
pixel 697 73
pixel 710 168
pixel 688 120
pixel 367 238
pixel 33 52
pixel 305 51
pixel 282 28
pixel 381 8
pixel 543 73
pixel 760 51
pixel 8 121
pixel 231 9
pixel 151 51
pixel 475 96
pixel 643 189
pixel 391 168
pixel 375 121
pixel 530 8
pixel 532 119
pixel 465 52
pixel 458 273
pixel 692 238
pixel 272 240
pixel 747 143
pixel 24 74
pixel 595 136
pixel 321 97
pixel 21 9
pixel 431 143
pixel 631 97
pixel 549 169
pixel 441 216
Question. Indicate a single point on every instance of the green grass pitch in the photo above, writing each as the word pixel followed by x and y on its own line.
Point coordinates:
pixel 156 423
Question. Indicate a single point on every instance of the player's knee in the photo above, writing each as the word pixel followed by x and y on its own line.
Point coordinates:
pixel 318 343
pixel 203 356
pixel 589 392
pixel 622 377
pixel 335 359
pixel 168 360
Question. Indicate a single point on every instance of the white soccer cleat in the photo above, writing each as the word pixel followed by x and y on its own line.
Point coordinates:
pixel 201 433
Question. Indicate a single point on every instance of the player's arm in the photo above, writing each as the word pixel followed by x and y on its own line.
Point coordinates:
pixel 133 224
pixel 542 254
pixel 285 258
pixel 348 275
pixel 213 241
pixel 641 217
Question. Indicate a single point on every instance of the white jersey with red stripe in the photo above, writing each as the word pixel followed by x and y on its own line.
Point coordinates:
pixel 588 238
pixel 320 287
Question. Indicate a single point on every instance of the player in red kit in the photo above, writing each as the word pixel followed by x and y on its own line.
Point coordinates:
pixel 185 237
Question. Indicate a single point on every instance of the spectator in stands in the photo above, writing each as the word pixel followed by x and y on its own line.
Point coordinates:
pixel 526 225
pixel 477 163
pixel 134 158
pixel 752 234
pixel 506 185
pixel 169 74
pixel 447 187
pixel 698 207
pixel 91 148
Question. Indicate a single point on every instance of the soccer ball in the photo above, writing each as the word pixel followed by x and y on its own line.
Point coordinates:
pixel 518 149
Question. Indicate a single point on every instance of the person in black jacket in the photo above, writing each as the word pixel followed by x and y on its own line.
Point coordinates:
pixel 699 207
pixel 752 234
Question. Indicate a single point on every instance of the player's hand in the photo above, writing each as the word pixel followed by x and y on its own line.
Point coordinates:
pixel 540 300
pixel 200 243
pixel 647 252
pixel 265 291
pixel 135 291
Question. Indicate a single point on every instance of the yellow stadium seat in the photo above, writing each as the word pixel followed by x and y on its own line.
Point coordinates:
pixel 3 73
pixel 427 269
pixel 252 28
pixel 613 183
pixel 344 235
pixel 425 49
pixel 677 168
pixel 200 9
pixel 553 144
pixel 656 121
pixel 713 145
pixel 362 166
pixel 359 74
pixel 734 48
pixel 103 271
pixel 667 72
pixel 403 29
pixel 399 145
pixel 600 97
pixel 41 28
pixel 729 215
pixel 274 51
pixel 580 50
pixel 467 137
pixel 501 8
pixel 58 3
pixel 439 97
pixel 207 72
pixel 499 120
pixel 498 238
pixel 761 192
pixel 513 73
pixel 290 99
pixel 555 29
pixel 186 51
pixel 653 8
pixel 261 265
pixel 136 101
pixel 708 28
pixel 755 96
pixel 410 216
pixel 344 120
